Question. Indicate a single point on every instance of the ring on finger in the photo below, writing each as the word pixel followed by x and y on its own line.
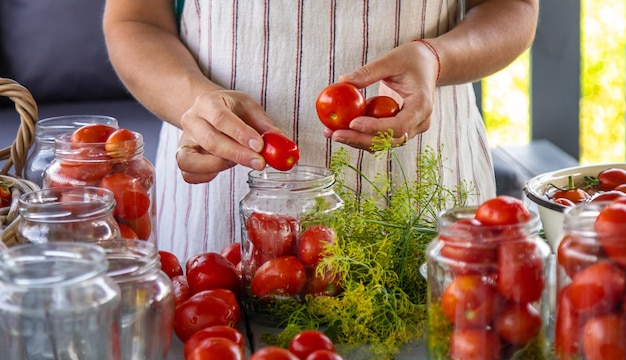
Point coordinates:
pixel 404 138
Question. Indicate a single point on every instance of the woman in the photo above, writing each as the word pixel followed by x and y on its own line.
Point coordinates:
pixel 235 69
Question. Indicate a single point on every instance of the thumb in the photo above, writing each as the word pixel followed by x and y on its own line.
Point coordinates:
pixel 362 77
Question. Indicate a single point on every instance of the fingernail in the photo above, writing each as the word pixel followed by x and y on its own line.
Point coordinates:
pixel 255 145
pixel 256 163
pixel 339 139
pixel 356 125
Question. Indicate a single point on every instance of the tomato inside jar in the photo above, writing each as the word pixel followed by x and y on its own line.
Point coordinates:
pixel 487 273
pixel 286 226
pixel 113 159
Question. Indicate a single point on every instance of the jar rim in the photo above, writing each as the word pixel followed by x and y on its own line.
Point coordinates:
pixel 47 129
pixel 58 204
pixel 300 178
pixel 66 150
pixel 130 258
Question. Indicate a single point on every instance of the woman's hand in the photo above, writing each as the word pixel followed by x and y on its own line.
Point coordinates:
pixel 410 71
pixel 220 130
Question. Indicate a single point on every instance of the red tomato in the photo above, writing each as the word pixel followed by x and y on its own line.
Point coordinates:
pixel 502 210
pixel 462 255
pixel 574 255
pixel 273 353
pixel 222 331
pixel 126 232
pixel 142 226
pixel 564 201
pixel 121 142
pixel 229 297
pixel 200 311
pixel 283 276
pixel 603 338
pixel 518 323
pixel 212 271
pixel 313 243
pixel 574 195
pixel 92 133
pixel 324 355
pixel 608 195
pixel 597 289
pixel 381 107
pixel 216 348
pixel 621 188
pixel 610 178
pixel 307 341
pixel 170 264
pixel 77 172
pixel 325 283
pixel 232 252
pixel 520 271
pixel 272 235
pixel 568 327
pixel 5 195
pixel 180 287
pixel 469 301
pixel 610 224
pixel 338 104
pixel 474 344
pixel 279 151
pixel 131 198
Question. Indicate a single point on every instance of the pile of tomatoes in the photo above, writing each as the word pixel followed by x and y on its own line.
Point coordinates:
pixel 280 261
pixel 101 155
pixel 207 312
pixel 591 302
pixel 493 283
pixel 609 184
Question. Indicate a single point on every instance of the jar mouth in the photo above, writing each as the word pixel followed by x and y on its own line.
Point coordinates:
pixel 46 130
pixel 67 150
pixel 51 264
pixel 300 178
pixel 580 220
pixel 129 258
pixel 67 204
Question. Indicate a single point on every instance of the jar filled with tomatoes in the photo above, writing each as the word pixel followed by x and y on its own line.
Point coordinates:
pixel 82 213
pixel 591 282
pixel 488 294
pixel 56 302
pixel 46 130
pixel 147 308
pixel 101 155
pixel 286 227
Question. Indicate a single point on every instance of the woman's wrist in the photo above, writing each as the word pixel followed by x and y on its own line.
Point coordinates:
pixel 435 53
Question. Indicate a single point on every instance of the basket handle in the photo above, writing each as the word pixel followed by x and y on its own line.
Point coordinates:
pixel 26 107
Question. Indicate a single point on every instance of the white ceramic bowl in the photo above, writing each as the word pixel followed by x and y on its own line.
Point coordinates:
pixel 551 214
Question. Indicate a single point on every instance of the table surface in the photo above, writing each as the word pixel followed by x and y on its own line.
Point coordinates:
pixel 176 346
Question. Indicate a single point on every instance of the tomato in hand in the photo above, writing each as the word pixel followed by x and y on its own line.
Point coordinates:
pixel 200 311
pixel 223 331
pixel 475 344
pixel 121 142
pixel 279 151
pixel 338 104
pixel 282 276
pixel 180 288
pixel 313 243
pixel 518 323
pixel 502 210
pixel 469 301
pixel 131 198
pixel 170 264
pixel 92 133
pixel 381 106
pixel 597 289
pixel 520 271
pixel 216 348
pixel 307 341
pixel 211 270
pixel 610 178
pixel 603 338
pixel 273 353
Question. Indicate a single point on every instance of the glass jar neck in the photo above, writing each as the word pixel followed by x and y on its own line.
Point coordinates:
pixel 130 260
pixel 63 205
pixel 66 150
pixel 51 265
pixel 46 130
pixel 301 179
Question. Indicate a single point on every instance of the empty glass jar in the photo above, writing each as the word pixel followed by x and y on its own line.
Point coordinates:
pixel 278 208
pixel 57 303
pixel 81 213
pixel 46 130
pixel 147 307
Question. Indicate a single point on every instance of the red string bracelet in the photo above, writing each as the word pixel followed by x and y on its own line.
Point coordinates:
pixel 435 52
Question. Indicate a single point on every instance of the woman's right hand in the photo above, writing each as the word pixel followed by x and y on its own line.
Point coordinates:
pixel 220 130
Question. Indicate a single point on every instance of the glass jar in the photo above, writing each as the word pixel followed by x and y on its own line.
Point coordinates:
pixel 487 289
pixel 82 213
pixel 278 208
pixel 123 170
pixel 56 302
pixel 46 130
pixel 591 283
pixel 147 308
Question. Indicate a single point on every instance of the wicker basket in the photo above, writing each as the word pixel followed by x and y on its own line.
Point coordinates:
pixel 15 155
